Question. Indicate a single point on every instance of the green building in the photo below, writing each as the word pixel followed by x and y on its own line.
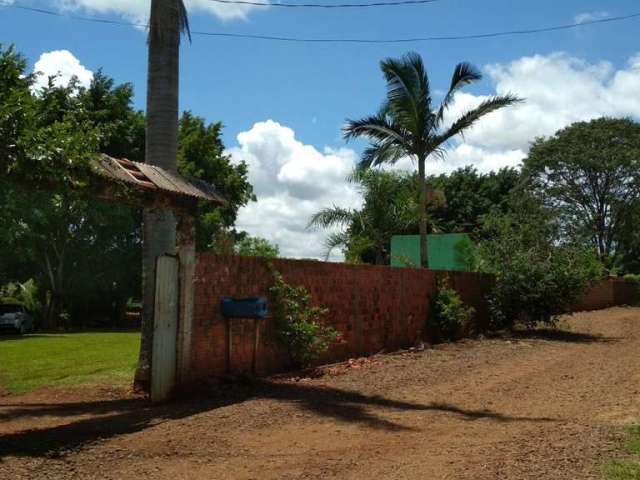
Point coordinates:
pixel 445 252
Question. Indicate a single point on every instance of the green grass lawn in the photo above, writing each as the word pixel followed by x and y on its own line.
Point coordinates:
pixel 34 361
pixel 627 469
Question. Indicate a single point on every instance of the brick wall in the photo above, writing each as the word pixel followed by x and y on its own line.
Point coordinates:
pixel 374 308
pixel 608 293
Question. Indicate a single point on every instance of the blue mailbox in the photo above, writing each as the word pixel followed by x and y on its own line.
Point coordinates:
pixel 244 308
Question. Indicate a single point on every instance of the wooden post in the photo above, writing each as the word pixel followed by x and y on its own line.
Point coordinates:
pixel 256 342
pixel 229 346
pixel 186 249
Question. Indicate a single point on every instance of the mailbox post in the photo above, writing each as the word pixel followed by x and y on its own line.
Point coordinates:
pixel 246 308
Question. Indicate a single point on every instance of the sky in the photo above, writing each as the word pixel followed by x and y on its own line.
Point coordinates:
pixel 283 104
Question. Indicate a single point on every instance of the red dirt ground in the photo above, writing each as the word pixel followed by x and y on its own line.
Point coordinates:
pixel 547 405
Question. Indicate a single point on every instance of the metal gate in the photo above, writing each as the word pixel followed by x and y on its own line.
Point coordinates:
pixel 165 334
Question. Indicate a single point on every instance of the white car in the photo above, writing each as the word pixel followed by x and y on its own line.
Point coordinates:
pixel 14 318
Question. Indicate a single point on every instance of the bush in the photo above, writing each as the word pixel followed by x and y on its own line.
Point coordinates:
pixel 632 277
pixel 26 294
pixel 531 290
pixel 538 277
pixel 298 325
pixel 635 279
pixel 449 314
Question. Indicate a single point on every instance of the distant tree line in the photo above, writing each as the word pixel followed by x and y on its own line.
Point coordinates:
pixel 584 182
pixel 456 203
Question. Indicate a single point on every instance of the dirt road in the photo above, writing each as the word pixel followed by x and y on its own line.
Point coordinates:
pixel 543 406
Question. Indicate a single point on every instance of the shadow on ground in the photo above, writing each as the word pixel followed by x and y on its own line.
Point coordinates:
pixel 119 417
pixel 555 335
pixel 4 337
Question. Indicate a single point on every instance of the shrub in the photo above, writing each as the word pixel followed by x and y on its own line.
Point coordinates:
pixel 532 290
pixel 635 279
pixel 256 247
pixel 298 324
pixel 632 277
pixel 449 314
pixel 538 277
pixel 25 294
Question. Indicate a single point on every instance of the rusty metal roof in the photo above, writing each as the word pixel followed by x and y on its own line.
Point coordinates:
pixel 151 178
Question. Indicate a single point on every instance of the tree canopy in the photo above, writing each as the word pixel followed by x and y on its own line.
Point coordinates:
pixel 201 155
pixel 589 173
pixel 539 272
pixel 464 197
pixel 458 203
pixel 85 254
pixel 364 234
pixel 256 247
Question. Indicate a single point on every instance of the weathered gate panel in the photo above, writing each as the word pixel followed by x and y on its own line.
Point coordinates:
pixel 165 338
pixel 186 246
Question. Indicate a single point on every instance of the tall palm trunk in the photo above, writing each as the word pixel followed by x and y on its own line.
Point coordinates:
pixel 424 259
pixel 159 226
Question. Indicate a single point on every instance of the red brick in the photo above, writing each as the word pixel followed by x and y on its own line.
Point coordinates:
pixel 375 308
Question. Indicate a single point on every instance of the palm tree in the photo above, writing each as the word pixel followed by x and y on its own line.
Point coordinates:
pixel 352 238
pixel 408 126
pixel 167 22
pixel 389 208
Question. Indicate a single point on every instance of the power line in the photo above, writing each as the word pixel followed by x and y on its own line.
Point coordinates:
pixel 72 17
pixel 507 33
pixel 398 3
pixel 422 39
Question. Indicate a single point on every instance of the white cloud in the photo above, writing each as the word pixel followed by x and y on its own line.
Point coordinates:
pixel 590 16
pixel 292 182
pixel 62 64
pixel 463 154
pixel 558 90
pixel 138 10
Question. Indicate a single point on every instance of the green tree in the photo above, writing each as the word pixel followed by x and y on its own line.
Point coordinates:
pixel 468 196
pixel 590 174
pixel 85 254
pixel 457 202
pixel 50 230
pixel 50 235
pixel 629 244
pixel 539 273
pixel 407 125
pixel 365 234
pixel 15 108
pixel 201 155
pixel 15 117
pixel 256 247
pixel 109 106
pixel 51 143
pixel 46 139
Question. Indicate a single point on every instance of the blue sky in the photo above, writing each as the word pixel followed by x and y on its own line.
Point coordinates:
pixel 307 90
pixel 244 81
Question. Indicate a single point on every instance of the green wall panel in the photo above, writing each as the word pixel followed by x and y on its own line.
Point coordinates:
pixel 443 251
